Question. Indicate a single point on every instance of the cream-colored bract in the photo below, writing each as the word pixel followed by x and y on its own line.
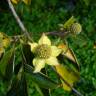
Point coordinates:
pixel 39 63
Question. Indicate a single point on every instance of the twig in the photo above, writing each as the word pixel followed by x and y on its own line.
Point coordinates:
pixel 21 25
pixel 58 33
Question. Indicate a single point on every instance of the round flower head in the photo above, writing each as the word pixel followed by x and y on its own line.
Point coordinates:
pixel 75 28
pixel 44 53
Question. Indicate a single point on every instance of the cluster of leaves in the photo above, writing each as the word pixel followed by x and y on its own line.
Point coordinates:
pixel 15 74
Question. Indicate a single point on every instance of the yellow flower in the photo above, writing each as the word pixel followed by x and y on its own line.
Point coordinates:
pixel 45 53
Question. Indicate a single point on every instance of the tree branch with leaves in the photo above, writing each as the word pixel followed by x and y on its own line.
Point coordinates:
pixel 40 54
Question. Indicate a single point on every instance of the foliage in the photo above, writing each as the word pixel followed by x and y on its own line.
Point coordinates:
pixel 44 16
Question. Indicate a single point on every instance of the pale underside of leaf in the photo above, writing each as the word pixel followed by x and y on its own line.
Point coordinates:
pixel 67 52
pixel 68 75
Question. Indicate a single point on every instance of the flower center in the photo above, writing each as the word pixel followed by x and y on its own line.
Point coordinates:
pixel 43 51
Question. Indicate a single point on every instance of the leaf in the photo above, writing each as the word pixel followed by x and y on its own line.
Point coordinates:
pixel 15 1
pixel 17 68
pixel 1 51
pixel 69 22
pixel 41 79
pixel 6 64
pixel 1 76
pixel 69 76
pixel 38 89
pixel 27 2
pixel 19 86
pixel 10 67
pixel 94 47
pixel 4 40
pixel 1 44
pixel 68 53
pixel 86 2
pixel 28 54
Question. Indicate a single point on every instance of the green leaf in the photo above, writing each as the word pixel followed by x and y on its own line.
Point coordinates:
pixel 19 86
pixel 10 68
pixel 86 2
pixel 38 89
pixel 41 79
pixel 69 22
pixel 6 64
pixel 27 53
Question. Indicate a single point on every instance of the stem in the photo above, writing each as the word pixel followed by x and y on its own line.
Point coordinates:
pixel 58 33
pixel 21 25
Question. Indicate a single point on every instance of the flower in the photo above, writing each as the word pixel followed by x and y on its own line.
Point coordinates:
pixel 44 53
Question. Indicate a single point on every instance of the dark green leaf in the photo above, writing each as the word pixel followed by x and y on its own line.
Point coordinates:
pixel 19 86
pixel 38 89
pixel 3 5
pixel 17 68
pixel 10 68
pixel 6 64
pixel 27 53
pixel 86 2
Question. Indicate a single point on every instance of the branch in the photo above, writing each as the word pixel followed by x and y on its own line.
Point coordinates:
pixel 21 25
pixel 58 33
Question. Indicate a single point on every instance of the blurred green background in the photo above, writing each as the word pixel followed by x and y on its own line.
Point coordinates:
pixel 45 15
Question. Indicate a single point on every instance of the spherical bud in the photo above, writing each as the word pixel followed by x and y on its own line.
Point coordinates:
pixel 75 28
